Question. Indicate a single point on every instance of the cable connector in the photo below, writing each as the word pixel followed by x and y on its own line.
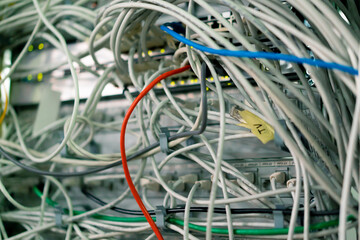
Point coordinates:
pixel 149 184
pixel 278 177
pixel 167 177
pixel 205 184
pixel 178 185
pixel 291 183
pixel 189 178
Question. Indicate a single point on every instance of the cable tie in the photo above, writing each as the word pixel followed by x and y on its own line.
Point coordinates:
pixel 279 216
pixel 160 213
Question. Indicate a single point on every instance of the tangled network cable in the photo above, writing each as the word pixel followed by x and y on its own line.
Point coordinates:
pixel 293 66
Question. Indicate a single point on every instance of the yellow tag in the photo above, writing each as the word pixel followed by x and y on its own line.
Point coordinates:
pixel 262 130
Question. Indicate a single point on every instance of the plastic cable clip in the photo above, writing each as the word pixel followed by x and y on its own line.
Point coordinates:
pixel 58 216
pixel 279 216
pixel 163 139
pixel 160 213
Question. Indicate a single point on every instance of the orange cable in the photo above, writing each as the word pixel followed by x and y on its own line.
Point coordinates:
pixel 122 146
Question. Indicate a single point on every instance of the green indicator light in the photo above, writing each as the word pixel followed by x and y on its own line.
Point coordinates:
pixel 40 77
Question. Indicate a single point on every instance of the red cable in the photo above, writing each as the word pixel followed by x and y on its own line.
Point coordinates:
pixel 122 146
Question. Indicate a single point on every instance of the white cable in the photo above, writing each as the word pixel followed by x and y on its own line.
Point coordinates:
pixel 181 231
pixel 76 87
pixel 322 121
pixel 187 210
pixel 350 156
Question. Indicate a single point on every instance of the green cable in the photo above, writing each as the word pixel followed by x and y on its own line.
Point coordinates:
pixel 49 201
pixel 272 231
pixel 111 218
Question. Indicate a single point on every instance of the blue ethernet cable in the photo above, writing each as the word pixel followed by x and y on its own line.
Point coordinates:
pixel 263 55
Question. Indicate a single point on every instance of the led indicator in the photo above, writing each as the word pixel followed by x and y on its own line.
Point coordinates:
pixel 40 77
